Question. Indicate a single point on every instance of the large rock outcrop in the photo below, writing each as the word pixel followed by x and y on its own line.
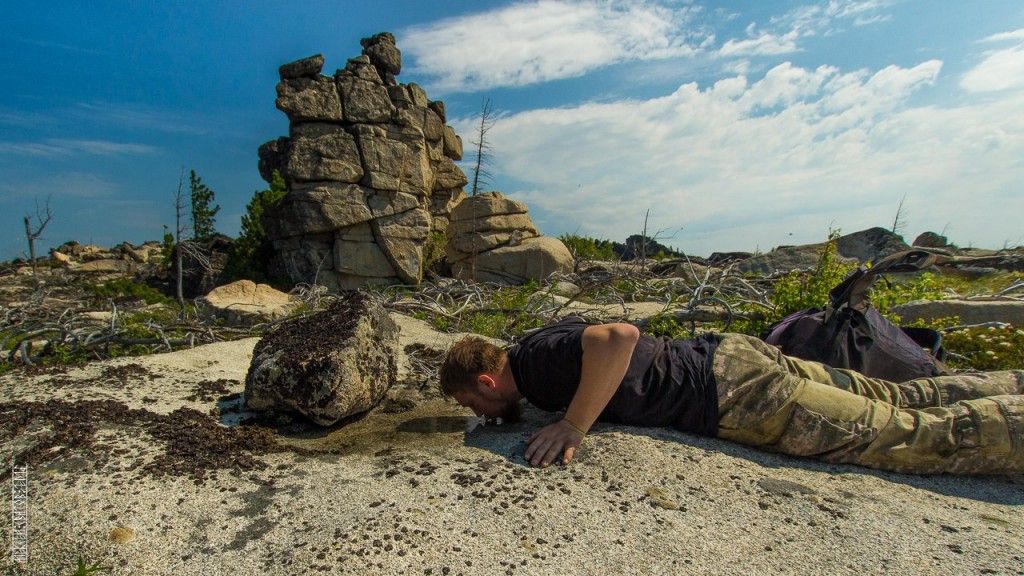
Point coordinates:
pixel 328 366
pixel 492 239
pixel 370 168
pixel 864 246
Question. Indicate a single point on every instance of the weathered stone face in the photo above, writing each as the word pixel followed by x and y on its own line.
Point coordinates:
pixel 383 53
pixel 394 159
pixel 452 144
pixel 401 238
pixel 447 175
pixel 385 202
pixel 369 165
pixel 465 245
pixel 361 259
pixel 243 303
pixel 309 100
pixel 534 258
pixel 274 156
pixel 491 238
pixel 438 107
pixel 412 224
pixel 418 95
pixel 425 119
pixel 306 67
pixel 487 204
pixel 323 152
pixel 306 258
pixel 363 100
pixel 317 207
pixel 405 256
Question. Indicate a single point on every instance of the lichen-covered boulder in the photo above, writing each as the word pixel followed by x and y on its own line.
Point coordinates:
pixel 328 366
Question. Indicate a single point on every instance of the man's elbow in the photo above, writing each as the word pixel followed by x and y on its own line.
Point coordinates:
pixel 625 333
pixel 619 334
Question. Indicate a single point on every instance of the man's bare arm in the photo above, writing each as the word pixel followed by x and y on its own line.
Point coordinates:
pixel 607 349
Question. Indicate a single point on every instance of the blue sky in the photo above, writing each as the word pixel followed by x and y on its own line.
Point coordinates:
pixel 739 125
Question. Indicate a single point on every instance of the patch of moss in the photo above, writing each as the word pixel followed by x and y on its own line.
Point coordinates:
pixel 123 289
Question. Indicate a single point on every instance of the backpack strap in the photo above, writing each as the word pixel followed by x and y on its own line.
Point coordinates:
pixel 853 291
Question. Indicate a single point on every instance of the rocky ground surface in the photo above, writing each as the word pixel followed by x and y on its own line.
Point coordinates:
pixel 148 465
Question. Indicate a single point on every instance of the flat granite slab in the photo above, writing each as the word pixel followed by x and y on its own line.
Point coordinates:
pixel 418 487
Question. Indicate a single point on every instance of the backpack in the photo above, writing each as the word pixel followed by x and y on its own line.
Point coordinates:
pixel 850 333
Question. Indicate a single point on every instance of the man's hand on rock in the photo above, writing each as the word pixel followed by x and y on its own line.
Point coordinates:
pixel 558 439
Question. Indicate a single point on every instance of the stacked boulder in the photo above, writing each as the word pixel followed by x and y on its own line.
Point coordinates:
pixel 370 168
pixel 491 238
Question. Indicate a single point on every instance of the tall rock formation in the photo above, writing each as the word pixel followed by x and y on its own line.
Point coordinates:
pixel 370 168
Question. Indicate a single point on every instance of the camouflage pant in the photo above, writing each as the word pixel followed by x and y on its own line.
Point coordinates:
pixel 965 423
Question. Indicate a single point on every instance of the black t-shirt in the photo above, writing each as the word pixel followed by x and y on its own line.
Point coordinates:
pixel 668 382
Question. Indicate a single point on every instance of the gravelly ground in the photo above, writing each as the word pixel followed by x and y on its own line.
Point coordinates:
pixel 407 490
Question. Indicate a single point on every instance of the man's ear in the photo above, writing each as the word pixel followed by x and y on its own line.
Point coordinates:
pixel 486 380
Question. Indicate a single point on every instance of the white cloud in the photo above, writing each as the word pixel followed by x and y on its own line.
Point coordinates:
pixel 66 184
pixel 67 147
pixel 764 44
pixel 136 116
pixel 545 40
pixel 783 33
pixel 1000 69
pixel 1004 36
pixel 742 164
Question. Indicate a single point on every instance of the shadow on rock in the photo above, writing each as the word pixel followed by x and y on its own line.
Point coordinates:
pixel 509 442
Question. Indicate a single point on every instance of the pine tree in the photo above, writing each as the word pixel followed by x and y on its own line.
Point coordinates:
pixel 252 249
pixel 203 216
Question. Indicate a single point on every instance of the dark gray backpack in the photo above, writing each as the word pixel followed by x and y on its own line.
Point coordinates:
pixel 850 333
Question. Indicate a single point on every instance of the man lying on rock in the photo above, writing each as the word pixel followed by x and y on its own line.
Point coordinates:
pixel 737 387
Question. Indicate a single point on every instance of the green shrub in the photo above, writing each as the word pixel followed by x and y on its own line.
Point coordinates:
pixel 797 291
pixel 252 250
pixel 890 292
pixel 887 293
pixel 433 250
pixel 667 325
pixel 203 214
pixel 167 248
pixel 986 348
pixel 122 289
pixel 584 248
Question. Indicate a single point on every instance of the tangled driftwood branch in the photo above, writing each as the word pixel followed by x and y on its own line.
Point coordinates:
pixel 31 331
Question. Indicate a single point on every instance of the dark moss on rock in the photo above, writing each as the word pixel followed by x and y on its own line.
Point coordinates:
pixel 193 443
pixel 327 366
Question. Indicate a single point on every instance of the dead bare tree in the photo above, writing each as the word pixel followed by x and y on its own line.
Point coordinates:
pixel 483 147
pixel 179 229
pixel 659 235
pixel 185 249
pixel 43 218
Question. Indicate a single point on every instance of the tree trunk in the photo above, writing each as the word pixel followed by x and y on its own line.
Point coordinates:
pixel 31 247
